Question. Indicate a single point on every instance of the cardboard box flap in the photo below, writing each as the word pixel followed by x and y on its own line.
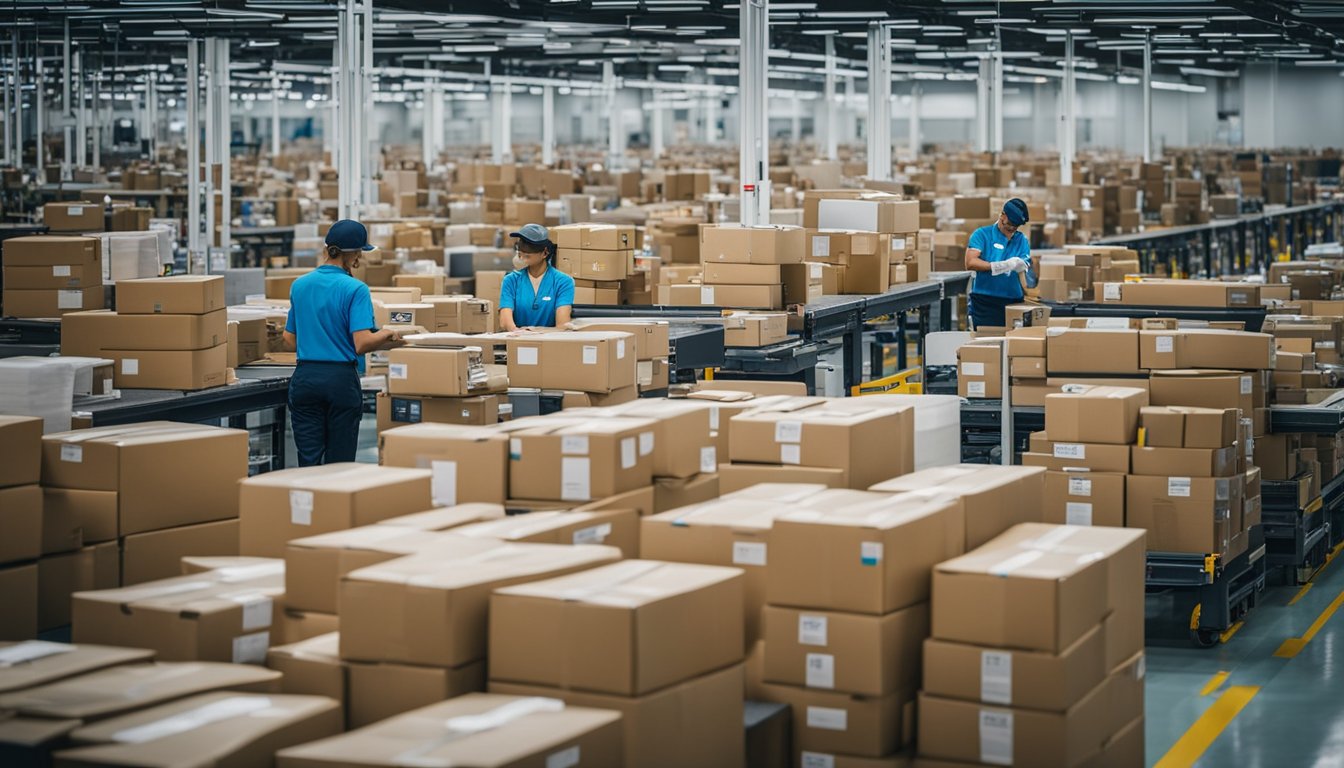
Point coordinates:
pixel 957 479
pixel 890 512
pixel 201 563
pixel 35 662
pixel 209 720
pixel 207 592
pixel 780 492
pixel 339 478
pixel 627 584
pixel 323 648
pixel 451 565
pixel 138 434
pixel 134 686
pixel 516 527
pixel 381 538
pixel 447 517
pixel 727 513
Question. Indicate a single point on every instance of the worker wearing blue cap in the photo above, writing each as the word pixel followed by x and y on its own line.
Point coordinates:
pixel 536 294
pixel 331 326
pixel 997 253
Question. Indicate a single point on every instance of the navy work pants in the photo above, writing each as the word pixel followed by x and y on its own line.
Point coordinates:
pixel 988 311
pixel 325 407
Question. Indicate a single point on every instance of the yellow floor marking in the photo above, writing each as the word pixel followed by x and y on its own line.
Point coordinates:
pixel 1294 645
pixel 1232 630
pixel 1192 745
pixel 1214 683
pixel 1301 593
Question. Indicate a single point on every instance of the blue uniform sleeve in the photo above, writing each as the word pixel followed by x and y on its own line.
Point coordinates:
pixel 978 242
pixel 565 296
pixel 289 321
pixel 506 289
pixel 361 310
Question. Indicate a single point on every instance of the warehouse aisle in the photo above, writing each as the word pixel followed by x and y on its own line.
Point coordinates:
pixel 1267 697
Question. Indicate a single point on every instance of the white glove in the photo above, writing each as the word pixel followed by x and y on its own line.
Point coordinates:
pixel 1013 264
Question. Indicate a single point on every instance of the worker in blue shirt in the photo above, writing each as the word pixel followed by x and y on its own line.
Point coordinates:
pixel 997 253
pixel 331 326
pixel 536 294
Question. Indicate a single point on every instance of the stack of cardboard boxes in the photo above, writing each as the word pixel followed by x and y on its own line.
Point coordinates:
pixel 652 348
pixel 1187 206
pixel 866 264
pixel 21 498
pixel 438 384
pixel 600 258
pixel 74 217
pixel 569 460
pixel 601 367
pixel 744 266
pixel 48 275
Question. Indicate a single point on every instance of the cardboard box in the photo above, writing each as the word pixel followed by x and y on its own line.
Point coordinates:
pixel 1091 350
pixel 434 371
pixel 53 252
pixel 398 410
pixel 735 477
pixel 177 295
pixel 280 506
pixel 751 245
pixel 51 303
pixel 1190 293
pixel 598 237
pixel 1201 348
pixel 152 466
pixel 867 557
pixel 991 499
pixel 683 445
pixel 743 296
pixel 21 516
pixel 1083 414
pixel 617 629
pixel 757 329
pixel 314 565
pixel 73 518
pixel 727 273
pixel 1085 498
pixel 1194 462
pixel 312 667
pixel 1204 389
pixel 980 370
pixel 872 444
pixel 1060 456
pixel 73 217
pixel 1185 427
pixel 297 626
pixel 1181 514
pixel 430 608
pixel 617 528
pixel 221 615
pixel 225 729
pixel 834 722
pixel 579 459
pixel 1015 678
pixel 676 492
pixel 381 691
pixel 429 285
pixel 53 278
pixel 849 653
pixel 20 450
pixel 37 662
pixel 585 362
pixel 454 454
pixel 60 576
pixel 693 723
pixel 882 215
pixel 170 369
pixel 158 554
pixel 18 612
pixel 91 334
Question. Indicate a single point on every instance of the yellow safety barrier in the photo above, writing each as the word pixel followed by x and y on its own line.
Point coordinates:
pixel 898 383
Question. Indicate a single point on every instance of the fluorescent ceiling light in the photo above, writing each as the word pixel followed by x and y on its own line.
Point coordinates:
pixel 1152 20
pixel 674 67
pixel 793 6
pixel 851 14
pixel 476 49
pixel 821 31
pixel 716 41
pixel 1002 20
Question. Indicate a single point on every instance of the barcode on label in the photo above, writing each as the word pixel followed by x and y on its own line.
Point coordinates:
pixel 973 369
pixel 820 670
pixel 996 737
pixel 1070 451
pixel 748 553
pixel 1178 487
pixel 827 718
pixel 996 677
pixel 1080 486
pixel 811 630
pixel 1078 513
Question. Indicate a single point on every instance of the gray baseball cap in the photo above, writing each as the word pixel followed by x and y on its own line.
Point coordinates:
pixel 532 233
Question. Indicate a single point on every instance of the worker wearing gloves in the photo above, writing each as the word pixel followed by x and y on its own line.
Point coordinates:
pixel 997 254
pixel 536 294
pixel 331 326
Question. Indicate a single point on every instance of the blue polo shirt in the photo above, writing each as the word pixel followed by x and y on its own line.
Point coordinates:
pixel 993 246
pixel 536 308
pixel 326 307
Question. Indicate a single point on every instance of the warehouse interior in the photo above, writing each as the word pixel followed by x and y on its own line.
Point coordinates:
pixel 667 383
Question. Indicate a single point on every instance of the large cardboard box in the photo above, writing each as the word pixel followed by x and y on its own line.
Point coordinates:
pixel 382 690
pixel 697 722
pixel 1172 426
pixel 525 732
pixel 223 615
pixel 89 334
pixel 683 445
pixel 54 252
pixel 617 528
pixel 1083 414
pixel 277 507
pixel 158 554
pixel 399 410
pixel 468 464
pixel 53 278
pixel 597 237
pixel 743 296
pixel 20 450
pixel 1181 514
pixel 32 663
pixel 431 371
pixel 618 629
pixel 872 444
pixel 754 329
pixel 1085 498
pixel 845 652
pixel 867 557
pixel 21 518
pixel 152 467
pixel 880 215
pixel 177 295
pixel 1092 350
pixel 579 459
pixel 73 518
pixel 650 336
pixel 60 576
pixel 430 607
pixel 1206 348
pixel 18 612
pixel 1061 456
pixel 169 369
pixel 992 498
pixel 1193 462
pixel 51 303
pixel 311 667
pixel 73 217
pixel 676 492
pixel 737 244
pixel 843 723
pixel 314 565
pixel 735 477
pixel 225 729
pixel 980 369
pixel 582 361
pixel 1016 678
pixel 446 518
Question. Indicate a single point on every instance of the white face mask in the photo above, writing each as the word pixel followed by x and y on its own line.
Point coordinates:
pixel 519 262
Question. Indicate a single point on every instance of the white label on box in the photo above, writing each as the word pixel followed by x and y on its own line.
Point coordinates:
pixel 788 431
pixel 1178 487
pixel 820 670
pixel 827 718
pixel 301 507
pixel 60 270
pixel 790 454
pixel 75 210
pixel 818 760
pixel 996 677
pixel 1247 387
pixel 443 483
pixel 130 366
pixel 821 245
pixel 72 453
pixel 1109 323
pixel 996 737
pixel 811 629
pixel 527 355
pixel 714 417
pixel 870 552
pixel 1080 486
pixel 709 459
pixel 748 553
pixel 1070 451
pixel 574 445
pixel 645 443
pixel 256 611
pixel 706 294
pixel 620 349
pixel 107 390
pixel 975 389
pixel 814 271
pixel 589 354
pixel 575 484
pixel 898 243
pixel 1110 292
pixel 251 649
pixel 1165 344
pixel 69 299
pixel 593 534
pixel 565 758
pixel 629 452
pixel 396 371
pixel 515 448
pixel 1078 513
pixel 973 369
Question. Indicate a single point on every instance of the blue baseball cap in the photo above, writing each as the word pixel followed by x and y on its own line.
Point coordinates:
pixel 532 233
pixel 349 235
pixel 1016 211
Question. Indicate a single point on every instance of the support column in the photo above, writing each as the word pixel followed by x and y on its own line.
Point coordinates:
pixel 67 106
pixel 1068 121
pixel 796 123
pixel 9 157
pixel 849 116
pixel 39 113
pixel 95 123
pixel 916 139
pixel 331 130
pixel 217 140
pixel 368 149
pixel 426 125
pixel 502 135
pixel 879 102
pixel 547 124
pixel 983 86
pixel 1147 98
pixel 656 127
pixel 752 89
pixel 712 119
pixel 275 118
pixel 193 98
pixel 996 108
pixel 615 152
pixel 81 124
pixel 829 111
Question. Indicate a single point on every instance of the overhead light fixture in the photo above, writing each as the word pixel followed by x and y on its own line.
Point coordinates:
pixel 476 49
pixel 718 41
pixel 1002 21
pixel 851 14
pixel 1152 20
pixel 674 67
pixel 821 31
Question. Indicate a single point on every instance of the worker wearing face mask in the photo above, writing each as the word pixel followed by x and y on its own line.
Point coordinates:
pixel 535 294
pixel 997 254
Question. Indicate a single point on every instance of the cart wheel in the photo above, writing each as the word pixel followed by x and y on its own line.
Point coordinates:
pixel 1204 638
